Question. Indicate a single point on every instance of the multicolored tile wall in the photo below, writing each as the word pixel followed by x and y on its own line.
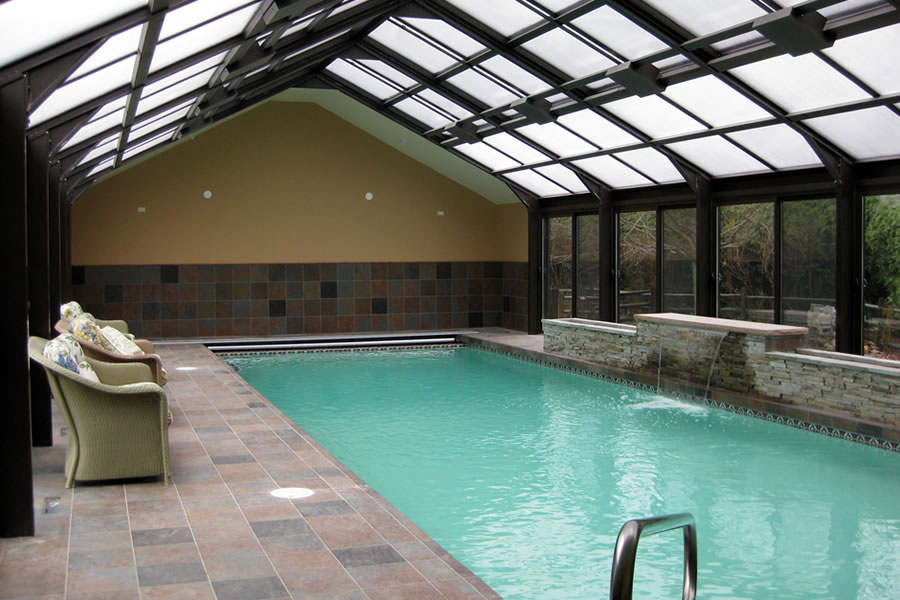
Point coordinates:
pixel 186 301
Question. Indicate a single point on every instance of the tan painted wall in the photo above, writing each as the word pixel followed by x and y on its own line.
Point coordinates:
pixel 288 183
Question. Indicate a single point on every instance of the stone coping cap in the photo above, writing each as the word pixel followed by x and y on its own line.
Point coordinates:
pixel 604 326
pixel 847 363
pixel 715 323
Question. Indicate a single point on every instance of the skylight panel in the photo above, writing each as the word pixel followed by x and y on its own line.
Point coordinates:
pixel 619 33
pixel 82 90
pixel 717 156
pixel 557 6
pixel 558 140
pixel 409 46
pixel 191 42
pixel 739 41
pixel 28 26
pixel 612 172
pixel 597 129
pixel 779 145
pixel 563 176
pixel 872 57
pixel 487 156
pixel 799 83
pixel 567 53
pixel 102 167
pixel 438 100
pixel 422 113
pixel 111 106
pixel 515 75
pixel 182 88
pixel 715 102
pixel 107 145
pixel 652 163
pixel 96 127
pixel 516 148
pixel 177 113
pixel 864 134
pixel 478 86
pixel 116 47
pixel 299 25
pixel 306 49
pixel 200 67
pixel 446 34
pixel 346 5
pixel 843 9
pixel 144 146
pixel 506 17
pixel 194 13
pixel 389 72
pixel 702 18
pixel 535 183
pixel 654 116
pixel 364 81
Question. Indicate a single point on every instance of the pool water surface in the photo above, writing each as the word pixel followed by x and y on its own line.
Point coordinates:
pixel 526 473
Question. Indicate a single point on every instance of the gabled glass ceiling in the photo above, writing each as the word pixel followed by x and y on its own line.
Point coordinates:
pixel 539 92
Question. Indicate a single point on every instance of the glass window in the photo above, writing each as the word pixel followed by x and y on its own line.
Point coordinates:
pixel 515 75
pixel 116 47
pixel 612 172
pixel 636 281
pixel 558 286
pixel 446 34
pixel 587 263
pixel 516 148
pixel 365 81
pixel 536 183
pixel 706 17
pixel 715 102
pixel 147 145
pixel 881 294
pixel 679 260
pixel 177 113
pixel 174 92
pixel 506 17
pixel 652 163
pixel 412 47
pixel 597 129
pixel 747 262
pixel 717 156
pixel 567 53
pixel 779 145
pixel 619 33
pixel 107 145
pixel 194 13
pixel 422 113
pixel 446 105
pixel 388 72
pixel 654 116
pixel 879 68
pixel 808 270
pixel 558 140
pixel 480 87
pixel 868 133
pixel 96 127
pixel 564 176
pixel 487 156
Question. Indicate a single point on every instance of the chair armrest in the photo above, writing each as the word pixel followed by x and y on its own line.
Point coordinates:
pixel 123 373
pixel 145 345
pixel 153 361
pixel 62 326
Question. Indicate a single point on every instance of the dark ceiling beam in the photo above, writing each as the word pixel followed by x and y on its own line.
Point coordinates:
pixel 44 79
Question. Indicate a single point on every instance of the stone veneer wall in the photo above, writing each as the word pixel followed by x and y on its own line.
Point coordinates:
pixel 166 301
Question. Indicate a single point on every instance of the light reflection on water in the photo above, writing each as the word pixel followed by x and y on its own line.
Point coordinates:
pixel 526 474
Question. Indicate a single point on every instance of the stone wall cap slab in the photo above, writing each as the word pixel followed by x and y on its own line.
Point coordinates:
pixel 869 360
pixel 715 323
pixel 604 326
pixel 847 362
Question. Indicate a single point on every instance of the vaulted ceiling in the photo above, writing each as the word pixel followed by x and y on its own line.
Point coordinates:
pixel 554 97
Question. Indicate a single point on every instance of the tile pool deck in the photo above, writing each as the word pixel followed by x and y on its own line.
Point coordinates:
pixel 216 532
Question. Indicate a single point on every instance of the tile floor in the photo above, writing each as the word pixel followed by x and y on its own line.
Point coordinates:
pixel 217 532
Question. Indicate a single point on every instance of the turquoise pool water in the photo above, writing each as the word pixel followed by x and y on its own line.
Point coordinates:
pixel 526 473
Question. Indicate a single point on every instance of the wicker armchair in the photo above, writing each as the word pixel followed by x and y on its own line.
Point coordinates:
pixel 99 353
pixel 118 428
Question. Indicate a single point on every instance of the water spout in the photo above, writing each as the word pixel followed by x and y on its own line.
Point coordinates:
pixel 712 364
pixel 659 364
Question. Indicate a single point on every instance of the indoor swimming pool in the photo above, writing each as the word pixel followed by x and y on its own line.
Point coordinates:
pixel 526 473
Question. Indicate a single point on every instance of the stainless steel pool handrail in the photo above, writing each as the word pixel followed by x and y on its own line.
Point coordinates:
pixel 622 578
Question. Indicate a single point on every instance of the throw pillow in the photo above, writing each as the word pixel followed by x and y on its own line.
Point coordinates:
pixel 120 341
pixel 70 310
pixel 84 328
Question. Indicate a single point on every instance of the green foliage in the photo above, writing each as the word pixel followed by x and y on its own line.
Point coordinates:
pixel 882 262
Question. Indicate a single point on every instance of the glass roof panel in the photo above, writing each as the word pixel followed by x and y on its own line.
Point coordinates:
pixel 567 53
pixel 654 116
pixel 107 145
pixel 701 18
pixel 715 101
pixel 369 83
pixel 346 5
pixel 478 86
pixel 144 146
pixel 28 26
pixel 203 65
pixel 195 40
pixel 306 49
pixel 506 17
pixel 799 83
pixel 514 74
pixel 388 71
pixel 299 25
pixel 864 134
pixel 717 156
pixel 446 34
pixel 194 13
pixel 558 140
pixel 535 183
pixel 81 90
pixel 739 41
pixel 619 33
pixel 451 107
pixel 557 6
pixel 565 177
pixel 779 145
pixel 411 47
pixel 487 156
pixel 597 129
pixel 878 68
pixel 151 101
pixel 612 172
pixel 116 47
pixel 422 113
pixel 516 148
pixel 848 7
pixel 95 127
pixel 652 163
pixel 142 129
pixel 101 167
pixel 111 106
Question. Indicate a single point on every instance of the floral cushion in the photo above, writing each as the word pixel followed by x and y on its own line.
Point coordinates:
pixel 120 341
pixel 163 375
pixel 65 351
pixel 70 310
pixel 86 370
pixel 84 328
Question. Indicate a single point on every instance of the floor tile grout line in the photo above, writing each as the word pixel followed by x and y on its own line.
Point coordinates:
pixel 131 540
